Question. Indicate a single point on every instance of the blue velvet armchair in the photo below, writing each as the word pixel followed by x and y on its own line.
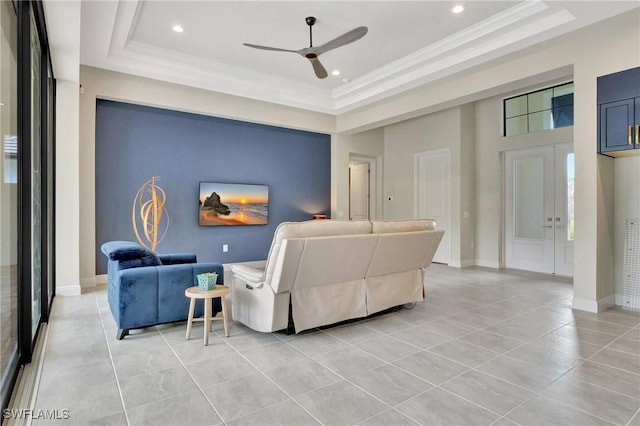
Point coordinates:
pixel 145 288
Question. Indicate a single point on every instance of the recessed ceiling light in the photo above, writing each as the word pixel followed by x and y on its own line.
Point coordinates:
pixel 178 28
pixel 458 8
pixel 335 72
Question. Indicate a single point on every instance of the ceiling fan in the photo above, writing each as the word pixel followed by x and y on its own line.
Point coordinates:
pixel 312 52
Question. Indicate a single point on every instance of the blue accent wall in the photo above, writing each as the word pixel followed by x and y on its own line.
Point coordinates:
pixel 134 143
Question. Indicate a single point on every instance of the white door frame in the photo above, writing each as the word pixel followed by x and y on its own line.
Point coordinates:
pixel 445 154
pixel 373 181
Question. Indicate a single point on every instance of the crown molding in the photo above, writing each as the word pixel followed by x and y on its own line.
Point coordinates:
pixel 515 28
pixel 434 67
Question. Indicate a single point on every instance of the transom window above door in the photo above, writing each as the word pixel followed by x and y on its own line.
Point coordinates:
pixel 542 109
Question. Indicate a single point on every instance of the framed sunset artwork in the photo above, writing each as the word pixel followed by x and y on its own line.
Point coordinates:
pixel 233 204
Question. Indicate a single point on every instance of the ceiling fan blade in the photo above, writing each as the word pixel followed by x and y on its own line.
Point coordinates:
pixel 318 68
pixel 346 38
pixel 277 49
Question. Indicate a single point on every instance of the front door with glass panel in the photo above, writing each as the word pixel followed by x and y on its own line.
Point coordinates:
pixel 539 219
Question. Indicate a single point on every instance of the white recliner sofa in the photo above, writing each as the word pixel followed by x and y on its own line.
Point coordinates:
pixel 321 272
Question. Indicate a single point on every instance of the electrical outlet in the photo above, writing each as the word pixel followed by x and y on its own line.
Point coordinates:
pixel 225 248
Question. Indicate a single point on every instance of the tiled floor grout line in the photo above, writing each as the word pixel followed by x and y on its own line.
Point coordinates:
pixel 637 413
pixel 609 366
pixel 113 366
pixel 345 377
pixel 157 370
pixel 270 380
pixel 433 385
pixel 190 376
pixel 539 392
pixel 506 353
pixel 381 412
pixel 448 359
pixel 364 390
pixel 534 393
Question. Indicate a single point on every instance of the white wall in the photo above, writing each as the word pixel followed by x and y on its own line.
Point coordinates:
pixel 104 84
pixel 626 181
pixel 468 152
pixel 68 195
pixel 63 31
pixel 401 142
pixel 453 128
pixel 405 139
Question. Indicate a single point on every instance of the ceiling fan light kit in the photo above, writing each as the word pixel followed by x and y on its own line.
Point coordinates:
pixel 312 52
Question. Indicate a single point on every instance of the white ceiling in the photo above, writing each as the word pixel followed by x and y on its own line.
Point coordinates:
pixel 409 43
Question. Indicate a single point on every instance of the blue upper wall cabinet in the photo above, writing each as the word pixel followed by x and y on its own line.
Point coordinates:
pixel 619 113
pixel 134 143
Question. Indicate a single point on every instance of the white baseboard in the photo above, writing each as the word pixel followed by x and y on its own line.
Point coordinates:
pixel 619 300
pixel 463 263
pixel 488 263
pixel 68 290
pixel 88 282
pixel 101 279
pixel 594 306
pixel 606 303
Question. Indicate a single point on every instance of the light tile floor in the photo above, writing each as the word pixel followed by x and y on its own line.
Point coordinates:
pixel 485 347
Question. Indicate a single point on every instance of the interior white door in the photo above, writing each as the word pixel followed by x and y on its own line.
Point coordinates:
pixel 359 191
pixel 539 209
pixel 432 195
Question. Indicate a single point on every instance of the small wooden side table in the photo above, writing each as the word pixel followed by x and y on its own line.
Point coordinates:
pixel 196 293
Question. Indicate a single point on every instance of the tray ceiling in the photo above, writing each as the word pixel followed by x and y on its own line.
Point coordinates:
pixel 409 43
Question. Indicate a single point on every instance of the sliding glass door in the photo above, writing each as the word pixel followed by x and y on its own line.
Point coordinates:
pixel 9 353
pixel 48 194
pixel 27 187
pixel 36 178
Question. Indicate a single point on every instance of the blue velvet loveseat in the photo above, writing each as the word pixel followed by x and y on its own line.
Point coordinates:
pixel 145 288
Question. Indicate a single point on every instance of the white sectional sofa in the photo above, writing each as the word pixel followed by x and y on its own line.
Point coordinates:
pixel 321 272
